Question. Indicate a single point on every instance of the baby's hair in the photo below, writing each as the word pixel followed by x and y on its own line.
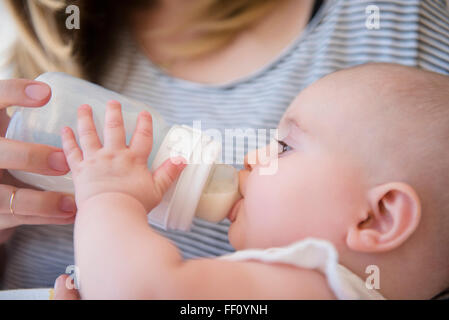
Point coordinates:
pixel 417 100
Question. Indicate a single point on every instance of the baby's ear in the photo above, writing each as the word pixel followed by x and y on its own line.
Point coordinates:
pixel 393 214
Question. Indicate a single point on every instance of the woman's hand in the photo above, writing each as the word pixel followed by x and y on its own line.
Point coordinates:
pixel 115 167
pixel 29 206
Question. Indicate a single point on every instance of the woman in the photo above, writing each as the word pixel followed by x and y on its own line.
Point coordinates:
pixel 230 64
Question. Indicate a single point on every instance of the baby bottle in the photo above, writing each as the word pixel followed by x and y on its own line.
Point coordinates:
pixel 204 189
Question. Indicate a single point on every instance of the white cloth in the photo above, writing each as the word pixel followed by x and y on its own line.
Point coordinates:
pixel 27 294
pixel 316 254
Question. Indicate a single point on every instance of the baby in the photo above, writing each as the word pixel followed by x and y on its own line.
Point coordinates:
pixel 358 207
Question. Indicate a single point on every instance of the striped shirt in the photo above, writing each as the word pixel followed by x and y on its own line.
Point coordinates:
pixel 411 32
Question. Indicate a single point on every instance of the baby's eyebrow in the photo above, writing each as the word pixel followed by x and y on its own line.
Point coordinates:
pixel 285 126
pixel 290 118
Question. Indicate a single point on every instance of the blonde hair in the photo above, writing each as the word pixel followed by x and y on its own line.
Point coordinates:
pixel 45 44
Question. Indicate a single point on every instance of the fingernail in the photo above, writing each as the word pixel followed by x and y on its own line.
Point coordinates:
pixel 67 204
pixel 84 107
pixel 181 163
pixel 178 161
pixel 114 102
pixel 58 283
pixel 145 114
pixel 57 161
pixel 64 130
pixel 37 91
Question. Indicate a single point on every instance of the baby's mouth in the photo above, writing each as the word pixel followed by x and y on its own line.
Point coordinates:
pixel 232 215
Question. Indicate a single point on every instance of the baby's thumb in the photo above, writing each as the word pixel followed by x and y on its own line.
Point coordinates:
pixel 167 173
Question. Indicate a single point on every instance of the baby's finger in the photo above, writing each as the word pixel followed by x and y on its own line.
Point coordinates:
pixel 89 141
pixel 167 173
pixel 64 289
pixel 114 129
pixel 71 149
pixel 142 140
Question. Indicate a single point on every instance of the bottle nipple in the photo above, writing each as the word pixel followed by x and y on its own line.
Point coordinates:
pixel 220 193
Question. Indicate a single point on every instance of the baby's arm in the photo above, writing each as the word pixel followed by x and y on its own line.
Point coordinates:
pixel 119 256
pixel 117 253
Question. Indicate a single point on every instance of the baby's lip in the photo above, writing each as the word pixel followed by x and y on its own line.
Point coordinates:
pixel 233 212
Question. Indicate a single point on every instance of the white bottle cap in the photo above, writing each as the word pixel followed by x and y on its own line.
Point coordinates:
pixel 178 206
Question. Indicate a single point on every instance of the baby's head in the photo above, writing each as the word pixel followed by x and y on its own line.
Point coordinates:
pixel 366 167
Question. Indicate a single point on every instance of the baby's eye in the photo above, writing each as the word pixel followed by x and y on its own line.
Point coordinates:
pixel 283 147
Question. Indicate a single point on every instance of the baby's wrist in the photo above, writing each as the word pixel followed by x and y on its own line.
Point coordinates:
pixel 112 199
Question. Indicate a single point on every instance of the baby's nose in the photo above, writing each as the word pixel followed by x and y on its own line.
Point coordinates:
pixel 260 156
pixel 251 159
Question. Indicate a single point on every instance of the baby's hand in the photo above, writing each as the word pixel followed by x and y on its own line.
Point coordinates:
pixel 115 167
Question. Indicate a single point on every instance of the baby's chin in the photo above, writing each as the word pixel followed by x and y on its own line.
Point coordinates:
pixel 236 232
pixel 235 242
pixel 241 233
pixel 234 236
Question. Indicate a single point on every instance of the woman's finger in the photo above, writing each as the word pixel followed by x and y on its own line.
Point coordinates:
pixel 63 291
pixel 22 92
pixel 28 202
pixel 36 158
pixel 167 173
pixel 89 141
pixel 8 179
pixel 142 140
pixel 14 221
pixel 114 129
pixel 71 149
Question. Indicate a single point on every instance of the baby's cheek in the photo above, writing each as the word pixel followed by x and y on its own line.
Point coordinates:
pixel 273 191
pixel 291 205
pixel 266 215
pixel 260 195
